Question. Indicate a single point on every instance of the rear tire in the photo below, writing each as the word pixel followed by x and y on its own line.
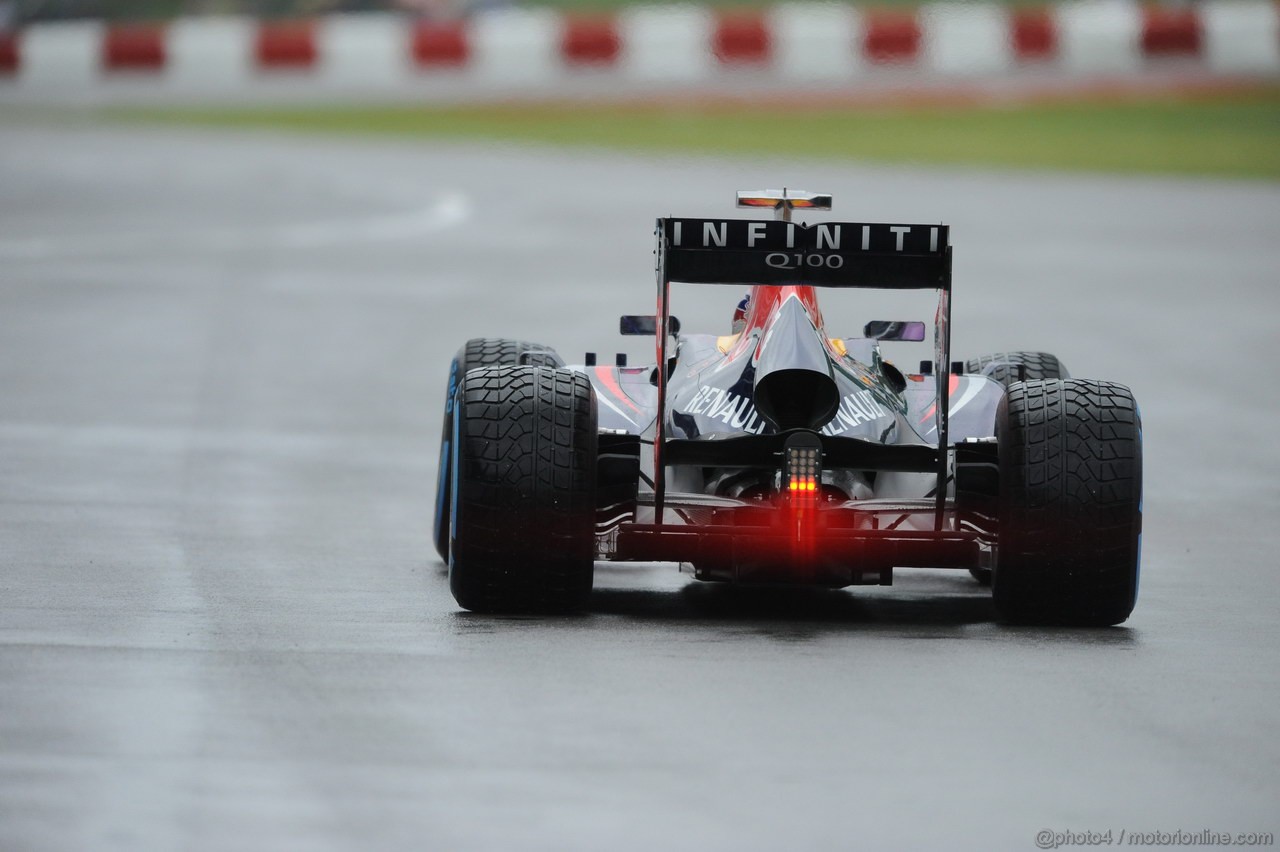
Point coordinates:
pixel 475 353
pixel 1007 368
pixel 524 512
pixel 1070 503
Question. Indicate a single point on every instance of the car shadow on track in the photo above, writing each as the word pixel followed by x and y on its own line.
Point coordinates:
pixel 946 604
pixel 953 608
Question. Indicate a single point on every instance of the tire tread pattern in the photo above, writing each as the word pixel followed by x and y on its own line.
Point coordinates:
pixel 1070 502
pixel 1003 367
pixel 475 353
pixel 524 535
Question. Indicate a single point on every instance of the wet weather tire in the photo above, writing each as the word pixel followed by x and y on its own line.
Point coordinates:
pixel 476 353
pixel 1007 368
pixel 1070 503
pixel 524 512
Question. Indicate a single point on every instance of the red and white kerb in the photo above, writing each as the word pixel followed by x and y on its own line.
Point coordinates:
pixel 675 44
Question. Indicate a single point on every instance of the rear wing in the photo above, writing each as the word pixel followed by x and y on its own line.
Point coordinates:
pixel 830 254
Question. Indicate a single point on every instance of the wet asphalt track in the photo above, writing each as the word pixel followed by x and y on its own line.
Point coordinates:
pixel 222 625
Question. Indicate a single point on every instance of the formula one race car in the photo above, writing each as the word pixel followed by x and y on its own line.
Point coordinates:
pixel 781 455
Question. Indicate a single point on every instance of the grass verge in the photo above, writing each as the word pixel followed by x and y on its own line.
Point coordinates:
pixel 1236 135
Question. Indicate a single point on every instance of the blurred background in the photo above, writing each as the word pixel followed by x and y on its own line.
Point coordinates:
pixel 1174 87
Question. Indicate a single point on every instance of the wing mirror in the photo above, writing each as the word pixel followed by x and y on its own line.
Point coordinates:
pixel 637 324
pixel 887 330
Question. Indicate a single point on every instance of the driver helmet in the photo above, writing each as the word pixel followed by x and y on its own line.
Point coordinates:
pixel 740 315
